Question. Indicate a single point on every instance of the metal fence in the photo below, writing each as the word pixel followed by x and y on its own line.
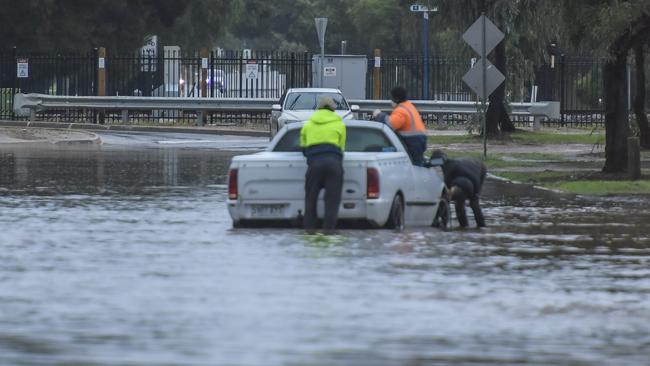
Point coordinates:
pixel 54 74
pixel 445 75
pixel 575 82
pixel 216 74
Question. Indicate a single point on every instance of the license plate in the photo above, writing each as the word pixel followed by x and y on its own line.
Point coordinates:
pixel 267 210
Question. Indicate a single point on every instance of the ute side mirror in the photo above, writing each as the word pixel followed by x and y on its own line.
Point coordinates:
pixel 276 108
pixel 434 162
pixel 355 111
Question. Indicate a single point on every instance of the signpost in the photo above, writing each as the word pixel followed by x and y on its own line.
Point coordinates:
pixel 321 27
pixel 483 36
pixel 425 10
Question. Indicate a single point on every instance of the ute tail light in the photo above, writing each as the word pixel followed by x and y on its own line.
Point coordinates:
pixel 232 184
pixel 372 187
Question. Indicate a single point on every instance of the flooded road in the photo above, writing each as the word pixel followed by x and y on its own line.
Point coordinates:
pixel 125 255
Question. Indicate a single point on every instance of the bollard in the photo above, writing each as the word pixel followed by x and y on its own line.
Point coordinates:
pixel 376 75
pixel 200 118
pixel 101 72
pixel 205 64
pixel 125 116
pixel 101 80
pixel 537 123
pixel 633 158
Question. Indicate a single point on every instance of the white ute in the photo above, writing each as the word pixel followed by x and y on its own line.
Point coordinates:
pixel 298 104
pixel 380 184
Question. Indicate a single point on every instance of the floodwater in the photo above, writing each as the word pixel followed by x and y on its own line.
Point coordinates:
pixel 126 256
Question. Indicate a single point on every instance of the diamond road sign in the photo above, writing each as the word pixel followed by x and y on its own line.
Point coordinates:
pixel 474 79
pixel 474 35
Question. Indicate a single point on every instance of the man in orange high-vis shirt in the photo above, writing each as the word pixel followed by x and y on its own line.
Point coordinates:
pixel 407 122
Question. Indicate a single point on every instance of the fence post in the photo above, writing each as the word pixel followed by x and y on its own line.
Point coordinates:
pixel 15 83
pixel 241 73
pixel 292 73
pixel 204 54
pixel 633 158
pixel 376 76
pixel 562 86
pixel 306 61
pixel 212 75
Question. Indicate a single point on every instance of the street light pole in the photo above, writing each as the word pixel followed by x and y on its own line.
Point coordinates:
pixel 425 10
pixel 425 44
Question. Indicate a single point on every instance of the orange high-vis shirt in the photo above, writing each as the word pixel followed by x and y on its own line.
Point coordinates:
pixel 405 119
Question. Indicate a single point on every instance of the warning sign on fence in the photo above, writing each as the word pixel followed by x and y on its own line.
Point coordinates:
pixel 23 68
pixel 252 69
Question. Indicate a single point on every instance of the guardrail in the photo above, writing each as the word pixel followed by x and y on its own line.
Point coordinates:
pixel 30 104
pixel 539 110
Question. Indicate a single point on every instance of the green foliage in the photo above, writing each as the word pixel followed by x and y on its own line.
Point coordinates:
pixel 120 25
pixel 585 91
pixel 594 24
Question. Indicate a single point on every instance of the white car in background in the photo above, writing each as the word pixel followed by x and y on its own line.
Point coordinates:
pixel 298 104
pixel 381 186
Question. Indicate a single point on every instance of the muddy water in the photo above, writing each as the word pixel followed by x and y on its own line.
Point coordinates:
pixel 126 257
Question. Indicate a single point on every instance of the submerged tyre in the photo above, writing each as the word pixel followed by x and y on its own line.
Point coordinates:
pixel 396 217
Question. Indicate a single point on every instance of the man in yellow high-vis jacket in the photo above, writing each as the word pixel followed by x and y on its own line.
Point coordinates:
pixel 323 141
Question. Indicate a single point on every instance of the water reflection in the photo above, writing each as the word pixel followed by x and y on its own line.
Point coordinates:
pixel 126 257
pixel 75 170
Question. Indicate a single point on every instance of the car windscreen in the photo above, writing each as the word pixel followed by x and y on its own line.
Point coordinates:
pixel 309 101
pixel 358 139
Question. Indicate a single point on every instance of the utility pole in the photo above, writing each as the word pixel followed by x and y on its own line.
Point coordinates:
pixel 321 27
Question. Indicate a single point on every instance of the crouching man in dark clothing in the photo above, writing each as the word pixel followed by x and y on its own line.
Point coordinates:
pixel 464 177
pixel 323 141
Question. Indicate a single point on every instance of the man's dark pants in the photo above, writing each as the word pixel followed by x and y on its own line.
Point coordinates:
pixel 416 146
pixel 324 171
pixel 464 191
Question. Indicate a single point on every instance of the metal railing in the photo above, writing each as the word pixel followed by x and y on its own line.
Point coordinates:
pixel 31 104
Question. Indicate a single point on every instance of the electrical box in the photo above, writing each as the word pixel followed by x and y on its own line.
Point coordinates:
pixel 344 72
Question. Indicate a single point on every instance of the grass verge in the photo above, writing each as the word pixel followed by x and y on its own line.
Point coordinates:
pixel 525 138
pixel 588 183
pixel 571 173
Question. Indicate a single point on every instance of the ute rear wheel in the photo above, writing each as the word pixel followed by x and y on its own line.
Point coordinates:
pixel 396 217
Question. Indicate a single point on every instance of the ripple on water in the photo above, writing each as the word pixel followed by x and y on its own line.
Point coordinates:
pixel 140 266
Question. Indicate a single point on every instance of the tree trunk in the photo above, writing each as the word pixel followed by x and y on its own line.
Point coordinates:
pixel 497 115
pixel 616 117
pixel 639 98
pixel 617 126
